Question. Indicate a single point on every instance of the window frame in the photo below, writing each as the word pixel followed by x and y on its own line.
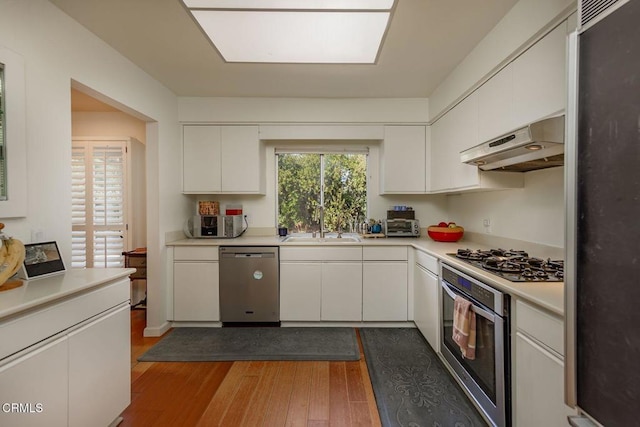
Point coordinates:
pixel 320 150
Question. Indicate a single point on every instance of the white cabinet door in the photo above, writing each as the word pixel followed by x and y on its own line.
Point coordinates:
pixel 441 154
pixel 384 291
pixel 539 80
pixel 464 135
pixel 495 105
pixel 222 159
pixel 403 158
pixel 98 348
pixel 539 386
pixel 196 291
pixel 201 159
pixel 454 132
pixel 241 160
pixel 38 380
pixel 342 291
pixel 300 291
pixel 426 306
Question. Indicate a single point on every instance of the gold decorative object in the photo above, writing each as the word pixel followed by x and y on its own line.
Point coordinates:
pixel 11 257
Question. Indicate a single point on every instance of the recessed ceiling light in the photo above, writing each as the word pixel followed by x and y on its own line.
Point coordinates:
pixel 291 31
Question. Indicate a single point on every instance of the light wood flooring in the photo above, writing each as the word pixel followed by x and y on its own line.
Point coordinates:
pixel 279 393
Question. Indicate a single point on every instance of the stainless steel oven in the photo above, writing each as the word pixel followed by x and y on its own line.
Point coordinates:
pixel 487 376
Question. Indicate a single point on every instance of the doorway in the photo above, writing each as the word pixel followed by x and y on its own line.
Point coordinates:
pixel 108 186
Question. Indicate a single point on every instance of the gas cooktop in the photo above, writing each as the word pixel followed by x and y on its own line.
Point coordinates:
pixel 516 266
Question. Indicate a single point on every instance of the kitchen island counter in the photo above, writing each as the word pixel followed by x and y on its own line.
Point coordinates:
pixel 40 292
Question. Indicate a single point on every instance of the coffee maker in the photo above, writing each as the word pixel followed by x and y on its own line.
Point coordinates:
pixel 214 226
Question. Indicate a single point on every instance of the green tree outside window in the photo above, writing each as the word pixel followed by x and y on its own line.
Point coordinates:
pixel 299 189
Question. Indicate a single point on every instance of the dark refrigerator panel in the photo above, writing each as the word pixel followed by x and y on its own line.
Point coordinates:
pixel 608 219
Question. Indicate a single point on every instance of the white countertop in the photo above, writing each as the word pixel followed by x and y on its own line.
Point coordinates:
pixel 37 292
pixel 548 295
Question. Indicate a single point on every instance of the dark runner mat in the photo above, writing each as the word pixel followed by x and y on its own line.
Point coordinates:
pixel 228 344
pixel 411 385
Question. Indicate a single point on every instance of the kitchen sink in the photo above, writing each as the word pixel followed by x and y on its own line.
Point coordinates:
pixel 329 238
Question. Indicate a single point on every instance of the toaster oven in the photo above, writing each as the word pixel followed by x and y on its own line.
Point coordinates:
pixel 399 227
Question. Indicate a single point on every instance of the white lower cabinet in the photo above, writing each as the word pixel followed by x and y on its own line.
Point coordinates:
pixel 538 386
pixel 321 283
pixel 384 291
pixel 300 291
pixel 73 364
pixel 101 346
pixel 426 305
pixel 38 382
pixel 341 291
pixel 196 291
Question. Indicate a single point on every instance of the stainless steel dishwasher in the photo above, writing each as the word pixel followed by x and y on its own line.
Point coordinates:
pixel 249 284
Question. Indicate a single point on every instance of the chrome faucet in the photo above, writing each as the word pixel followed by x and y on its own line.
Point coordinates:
pixel 321 220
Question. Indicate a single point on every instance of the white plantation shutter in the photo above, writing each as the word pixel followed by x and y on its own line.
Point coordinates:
pixel 99 185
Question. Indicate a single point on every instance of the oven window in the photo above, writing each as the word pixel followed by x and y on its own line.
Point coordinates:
pixel 483 367
pixel 399 227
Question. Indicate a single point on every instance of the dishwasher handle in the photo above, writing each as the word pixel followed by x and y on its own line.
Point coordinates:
pixel 248 255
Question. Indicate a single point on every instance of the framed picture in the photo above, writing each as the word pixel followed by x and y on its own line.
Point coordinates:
pixel 41 259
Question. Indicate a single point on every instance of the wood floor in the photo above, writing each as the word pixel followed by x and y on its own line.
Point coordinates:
pixel 235 394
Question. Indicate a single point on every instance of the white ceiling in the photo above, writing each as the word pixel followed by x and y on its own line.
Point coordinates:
pixel 425 41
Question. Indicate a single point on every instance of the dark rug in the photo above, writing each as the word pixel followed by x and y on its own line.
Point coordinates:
pixel 412 386
pixel 227 344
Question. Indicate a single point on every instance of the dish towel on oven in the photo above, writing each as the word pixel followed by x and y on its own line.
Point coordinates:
pixel 464 327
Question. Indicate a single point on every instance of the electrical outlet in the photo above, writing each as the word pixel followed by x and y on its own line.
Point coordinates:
pixel 486 223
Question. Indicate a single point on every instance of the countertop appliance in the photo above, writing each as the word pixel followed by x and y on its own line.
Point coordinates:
pixel 249 284
pixel 487 377
pixel 513 265
pixel 214 226
pixel 602 337
pixel 401 227
pixel 536 146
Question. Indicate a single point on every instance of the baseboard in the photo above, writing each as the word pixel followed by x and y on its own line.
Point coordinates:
pixel 157 331
pixel 182 324
pixel 349 324
pixel 284 324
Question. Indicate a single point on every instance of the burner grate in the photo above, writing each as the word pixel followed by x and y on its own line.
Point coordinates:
pixel 514 265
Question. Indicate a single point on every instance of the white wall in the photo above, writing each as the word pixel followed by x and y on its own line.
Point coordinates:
pixel 534 213
pixel 303 110
pixel 57 50
pixel 108 124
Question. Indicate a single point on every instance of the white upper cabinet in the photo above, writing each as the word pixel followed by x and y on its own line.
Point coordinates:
pixel 403 160
pixel 464 135
pixel 242 160
pixel 495 105
pixel 539 78
pixel 201 159
pixel 529 88
pixel 222 159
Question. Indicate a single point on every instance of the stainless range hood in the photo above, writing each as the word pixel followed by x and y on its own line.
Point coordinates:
pixel 539 145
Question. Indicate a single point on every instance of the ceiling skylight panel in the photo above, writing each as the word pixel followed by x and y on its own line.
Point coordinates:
pixel 291 4
pixel 321 31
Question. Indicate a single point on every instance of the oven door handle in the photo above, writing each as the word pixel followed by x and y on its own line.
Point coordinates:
pixel 476 309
